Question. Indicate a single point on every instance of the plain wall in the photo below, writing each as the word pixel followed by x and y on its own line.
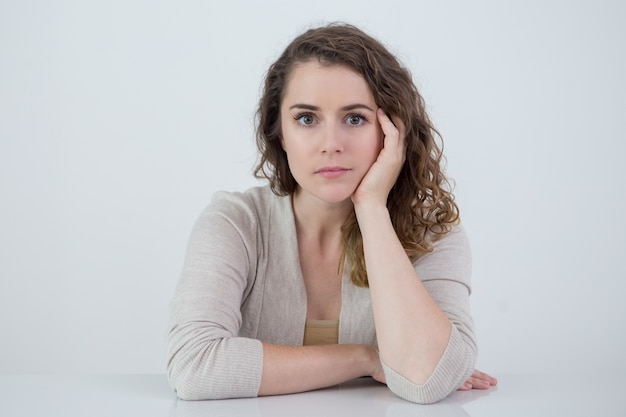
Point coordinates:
pixel 119 119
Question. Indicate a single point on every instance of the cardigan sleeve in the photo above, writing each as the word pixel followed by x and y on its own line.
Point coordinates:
pixel 206 358
pixel 445 273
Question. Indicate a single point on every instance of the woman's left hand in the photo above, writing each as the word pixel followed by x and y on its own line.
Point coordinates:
pixel 383 173
pixel 478 380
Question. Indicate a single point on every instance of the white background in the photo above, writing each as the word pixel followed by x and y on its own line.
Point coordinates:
pixel 119 119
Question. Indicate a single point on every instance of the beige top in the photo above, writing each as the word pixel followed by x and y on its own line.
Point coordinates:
pixel 321 332
pixel 242 285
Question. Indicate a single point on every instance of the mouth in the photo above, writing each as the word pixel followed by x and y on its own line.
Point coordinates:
pixel 332 171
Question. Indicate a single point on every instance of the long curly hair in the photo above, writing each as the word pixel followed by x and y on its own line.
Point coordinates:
pixel 421 204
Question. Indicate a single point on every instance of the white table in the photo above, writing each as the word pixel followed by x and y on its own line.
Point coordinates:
pixel 150 395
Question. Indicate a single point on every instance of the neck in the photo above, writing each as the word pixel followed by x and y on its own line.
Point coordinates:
pixel 319 220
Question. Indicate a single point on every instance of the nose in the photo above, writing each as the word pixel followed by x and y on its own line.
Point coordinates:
pixel 331 140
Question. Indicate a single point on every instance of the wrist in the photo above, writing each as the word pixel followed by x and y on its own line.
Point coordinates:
pixel 371 213
pixel 373 208
pixel 369 360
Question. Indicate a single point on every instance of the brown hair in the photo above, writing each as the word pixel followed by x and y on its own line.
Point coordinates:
pixel 420 204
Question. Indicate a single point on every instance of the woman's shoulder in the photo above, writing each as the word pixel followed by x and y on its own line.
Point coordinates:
pixel 255 217
pixel 450 258
pixel 252 205
pixel 455 238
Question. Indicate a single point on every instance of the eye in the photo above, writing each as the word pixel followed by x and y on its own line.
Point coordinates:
pixel 305 119
pixel 356 119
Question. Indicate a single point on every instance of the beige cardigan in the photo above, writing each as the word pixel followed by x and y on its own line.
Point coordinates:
pixel 241 285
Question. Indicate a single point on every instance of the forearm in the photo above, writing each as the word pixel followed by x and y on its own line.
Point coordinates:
pixel 412 330
pixel 290 369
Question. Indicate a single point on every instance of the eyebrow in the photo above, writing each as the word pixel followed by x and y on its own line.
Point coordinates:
pixel 344 108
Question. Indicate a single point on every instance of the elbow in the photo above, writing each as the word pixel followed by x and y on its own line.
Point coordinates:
pixel 184 382
pixel 205 371
pixel 435 389
pixel 190 371
pixel 193 378
pixel 420 394
pixel 186 391
pixel 196 384
pixel 427 393
pixel 451 372
pixel 188 374
pixel 191 384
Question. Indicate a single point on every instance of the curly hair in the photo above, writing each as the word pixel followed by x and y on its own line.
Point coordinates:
pixel 421 205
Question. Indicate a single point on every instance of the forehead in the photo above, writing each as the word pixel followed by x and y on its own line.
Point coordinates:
pixel 312 82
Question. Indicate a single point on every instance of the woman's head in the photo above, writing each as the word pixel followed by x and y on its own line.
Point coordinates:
pixel 336 44
pixel 418 202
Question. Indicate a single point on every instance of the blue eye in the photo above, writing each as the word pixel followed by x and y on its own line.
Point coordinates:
pixel 356 119
pixel 305 119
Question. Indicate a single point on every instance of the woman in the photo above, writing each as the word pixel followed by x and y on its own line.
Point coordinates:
pixel 351 263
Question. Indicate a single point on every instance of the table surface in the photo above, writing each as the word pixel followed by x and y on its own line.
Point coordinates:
pixel 150 395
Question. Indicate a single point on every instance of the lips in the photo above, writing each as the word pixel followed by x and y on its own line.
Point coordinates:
pixel 332 171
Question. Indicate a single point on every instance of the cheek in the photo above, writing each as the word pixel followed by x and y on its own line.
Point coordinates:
pixel 376 144
pixel 381 136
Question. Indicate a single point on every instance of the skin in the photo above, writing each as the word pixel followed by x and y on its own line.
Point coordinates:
pixel 346 153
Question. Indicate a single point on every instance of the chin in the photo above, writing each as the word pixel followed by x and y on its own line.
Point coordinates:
pixel 335 195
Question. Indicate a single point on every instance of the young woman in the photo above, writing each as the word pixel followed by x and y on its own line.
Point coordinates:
pixel 351 262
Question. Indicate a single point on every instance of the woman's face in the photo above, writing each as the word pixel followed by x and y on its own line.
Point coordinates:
pixel 330 132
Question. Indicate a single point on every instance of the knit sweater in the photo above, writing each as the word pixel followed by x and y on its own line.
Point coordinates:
pixel 242 285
